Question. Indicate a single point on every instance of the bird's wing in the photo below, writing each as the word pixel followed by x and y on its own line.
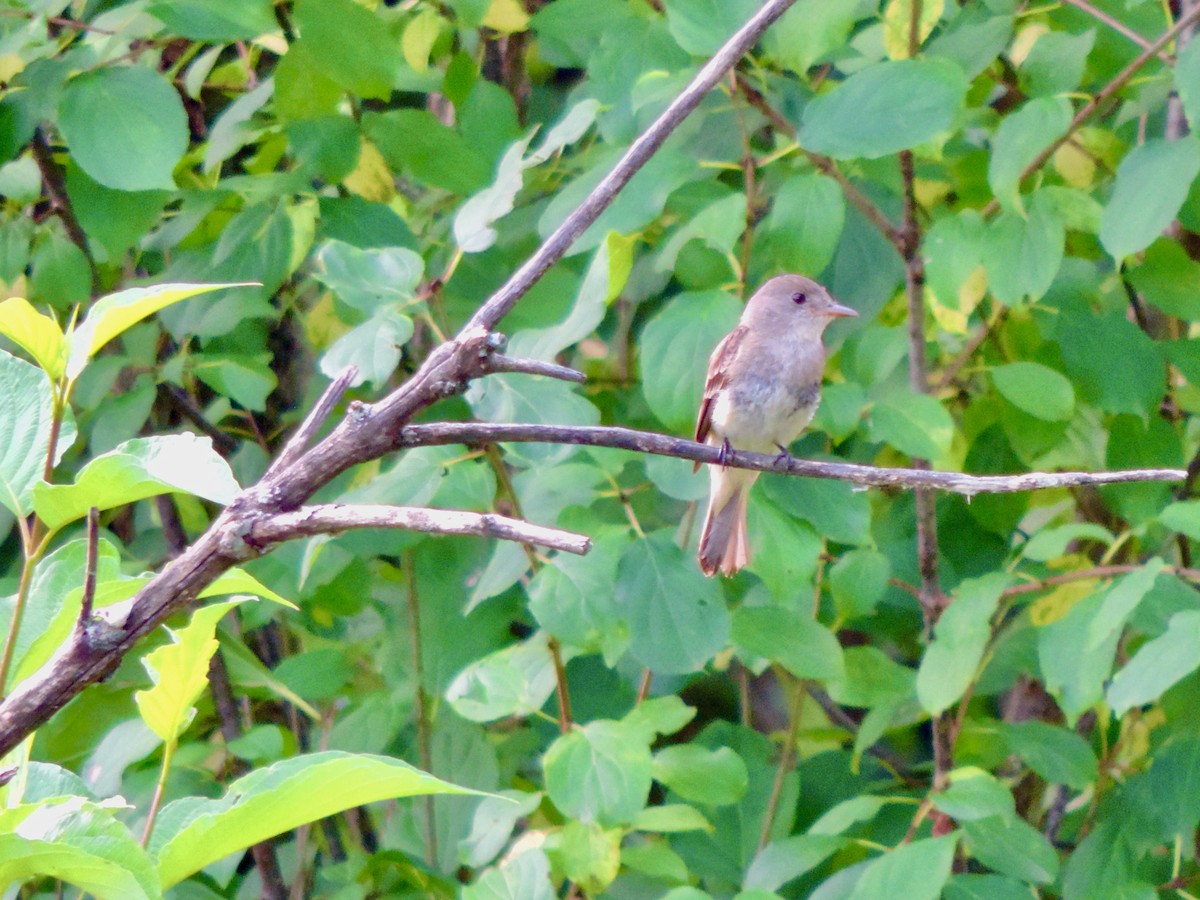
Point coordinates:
pixel 719 365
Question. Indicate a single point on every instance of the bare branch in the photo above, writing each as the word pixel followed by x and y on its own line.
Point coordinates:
pixel 426 435
pixel 299 441
pixel 499 363
pixel 332 518
pixel 1118 26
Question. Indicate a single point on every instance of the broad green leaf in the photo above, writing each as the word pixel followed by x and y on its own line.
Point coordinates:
pixel 179 671
pixel 589 855
pixel 914 871
pixel 142 467
pixel 952 661
pixel 677 619
pixel 117 219
pixel 246 380
pixel 701 26
pixel 1036 239
pixel 37 334
pixel 529 398
pixel 372 347
pixel 1187 82
pixel 515 681
pixel 915 424
pixel 802 230
pixel 985 887
pixel 525 876
pixel 600 773
pixel 414 141
pixel 1011 846
pixel 659 717
pixel 1036 389
pixel 808 32
pixel 351 45
pixel 1073 676
pixel 1119 602
pixel 974 794
pixel 885 108
pixel 780 861
pixel 79 842
pixel 572 598
pixel 804 647
pixel 26 413
pixel 679 340
pixel 897 25
pixel 718 226
pixel 1152 183
pixel 954 251
pixel 1056 62
pixel 671 817
pixel 857 582
pixel 1050 543
pixel 125 126
pixel 711 777
pixel 1183 516
pixel 194 832
pixel 114 313
pixel 1021 137
pixel 216 20
pixel 492 825
pixel 585 314
pixel 1158 664
pixel 1169 279
pixel 1112 364
pixel 369 279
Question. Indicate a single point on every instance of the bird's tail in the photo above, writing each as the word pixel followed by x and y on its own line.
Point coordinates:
pixel 724 545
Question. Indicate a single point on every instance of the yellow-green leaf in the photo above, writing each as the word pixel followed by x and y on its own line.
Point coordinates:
pixel 506 16
pixel 897 25
pixel 38 335
pixel 114 313
pixel 179 671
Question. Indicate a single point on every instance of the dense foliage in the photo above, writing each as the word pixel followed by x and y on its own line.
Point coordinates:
pixel 808 728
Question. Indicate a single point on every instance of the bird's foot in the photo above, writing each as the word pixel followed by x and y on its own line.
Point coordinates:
pixel 784 459
pixel 723 453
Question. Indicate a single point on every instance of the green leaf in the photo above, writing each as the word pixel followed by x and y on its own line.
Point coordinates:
pixel 805 648
pixel 701 26
pixel 1036 389
pixel 1019 139
pixel 974 794
pixel 677 620
pixel 680 338
pixel 514 681
pixel 1073 677
pixel 885 108
pixel 37 334
pixel 718 226
pixel 117 219
pixel 802 230
pixel 414 141
pixel 954 250
pixel 599 773
pixel 142 467
pixel 572 598
pixel 1113 365
pixel 808 32
pixel 195 832
pixel 589 856
pixel 115 313
pixel 914 871
pixel 781 861
pixel 915 424
pixel 858 581
pixel 79 842
pixel 125 126
pixel 215 20
pixel 246 380
pixel 179 671
pixel 671 817
pixel 897 25
pixel 659 717
pixel 351 45
pixel 1186 72
pixel 952 661
pixel 372 347
pixel 369 279
pixel 1152 183
pixel 1011 846
pixel 1056 63
pixel 985 887
pixel 26 412
pixel 525 876
pixel 1119 602
pixel 1037 240
pixel 1158 664
pixel 586 313
pixel 712 777
pixel 1169 279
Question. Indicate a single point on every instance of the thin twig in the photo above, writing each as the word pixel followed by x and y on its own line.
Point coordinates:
pixel 434 434
pixel 1118 26
pixel 1042 584
pixel 331 518
pixel 60 202
pixel 1090 108
pixel 299 441
pixel 89 570
pixel 424 720
pixel 499 363
pixel 785 761
pixel 183 403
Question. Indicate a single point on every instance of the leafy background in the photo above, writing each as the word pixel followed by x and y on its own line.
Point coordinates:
pixel 801 730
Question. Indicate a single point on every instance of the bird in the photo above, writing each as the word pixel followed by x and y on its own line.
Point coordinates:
pixel 761 391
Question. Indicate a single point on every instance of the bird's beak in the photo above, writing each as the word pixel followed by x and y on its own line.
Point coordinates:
pixel 837 311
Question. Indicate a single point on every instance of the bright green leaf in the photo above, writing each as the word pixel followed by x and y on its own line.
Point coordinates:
pixel 26 412
pixel 914 871
pixel 712 777
pixel 804 647
pixel 37 334
pixel 1158 664
pixel 1038 390
pixel 599 773
pixel 1152 183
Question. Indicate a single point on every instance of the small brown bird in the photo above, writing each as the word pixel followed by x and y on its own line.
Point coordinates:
pixel 763 386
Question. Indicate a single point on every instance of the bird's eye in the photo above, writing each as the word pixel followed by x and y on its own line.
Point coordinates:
pixel 799 299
